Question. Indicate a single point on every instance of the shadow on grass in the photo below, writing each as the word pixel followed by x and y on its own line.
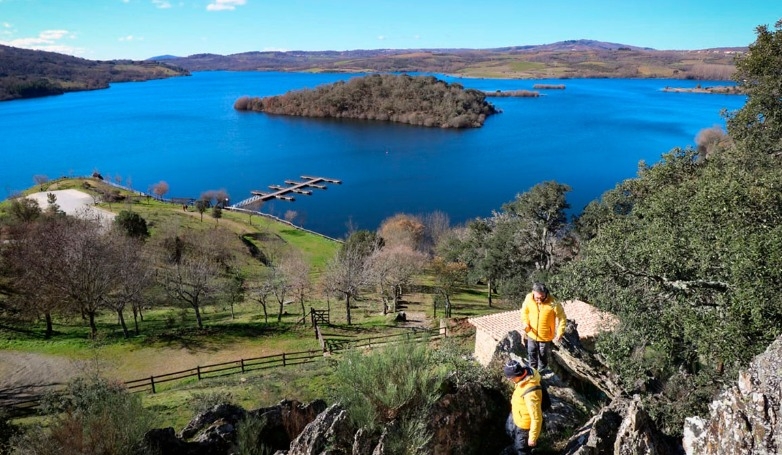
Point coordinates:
pixel 215 337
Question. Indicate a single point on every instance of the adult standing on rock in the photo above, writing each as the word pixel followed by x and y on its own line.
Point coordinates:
pixel 543 320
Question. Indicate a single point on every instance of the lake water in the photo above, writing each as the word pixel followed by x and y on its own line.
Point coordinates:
pixel 185 131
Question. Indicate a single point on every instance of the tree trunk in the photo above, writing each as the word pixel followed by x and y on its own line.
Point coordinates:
pixel 49 326
pixel 279 314
pixel 198 316
pixel 93 327
pixel 347 306
pixel 136 312
pixel 303 313
pixel 488 286
pixel 121 318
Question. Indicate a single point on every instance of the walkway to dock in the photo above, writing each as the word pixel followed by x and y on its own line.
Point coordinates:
pixel 281 192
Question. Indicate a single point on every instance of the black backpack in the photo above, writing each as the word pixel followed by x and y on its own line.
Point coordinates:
pixel 545 403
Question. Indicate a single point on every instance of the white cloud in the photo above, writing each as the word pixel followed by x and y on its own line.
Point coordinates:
pixel 162 4
pixel 225 5
pixel 47 40
pixel 381 37
pixel 130 38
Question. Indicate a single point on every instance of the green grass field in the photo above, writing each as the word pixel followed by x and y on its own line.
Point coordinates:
pixel 169 340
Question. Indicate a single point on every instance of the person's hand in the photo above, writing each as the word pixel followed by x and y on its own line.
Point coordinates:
pixel 532 443
pixel 557 338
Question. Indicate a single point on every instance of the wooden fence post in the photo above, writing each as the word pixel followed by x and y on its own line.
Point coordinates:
pixel 198 371
pixel 152 381
pixel 283 359
pixel 242 363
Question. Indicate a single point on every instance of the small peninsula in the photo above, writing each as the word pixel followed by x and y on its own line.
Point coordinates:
pixel 415 100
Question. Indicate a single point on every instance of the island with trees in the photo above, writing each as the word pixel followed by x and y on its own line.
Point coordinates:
pixel 415 100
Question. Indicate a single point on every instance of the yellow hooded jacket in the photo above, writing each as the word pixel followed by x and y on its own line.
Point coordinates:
pixel 525 409
pixel 542 319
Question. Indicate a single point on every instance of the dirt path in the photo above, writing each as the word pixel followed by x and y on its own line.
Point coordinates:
pixel 24 375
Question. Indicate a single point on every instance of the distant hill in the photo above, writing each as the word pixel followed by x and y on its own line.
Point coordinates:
pixel 27 74
pixel 561 60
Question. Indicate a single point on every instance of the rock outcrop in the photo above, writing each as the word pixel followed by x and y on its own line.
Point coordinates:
pixel 747 417
pixel 214 431
pixel 621 428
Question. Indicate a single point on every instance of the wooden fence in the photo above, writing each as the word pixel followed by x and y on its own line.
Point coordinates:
pixel 16 408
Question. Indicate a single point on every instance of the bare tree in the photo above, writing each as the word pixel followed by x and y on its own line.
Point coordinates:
pixel 347 274
pixel 290 215
pixel 32 261
pixel 194 279
pixel 297 271
pixel 93 267
pixel 448 276
pixel 40 179
pixel 192 282
pixel 261 293
pixel 160 189
pixel 135 277
pixel 392 268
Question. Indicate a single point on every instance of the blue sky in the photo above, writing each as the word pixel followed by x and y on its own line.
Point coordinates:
pixel 139 29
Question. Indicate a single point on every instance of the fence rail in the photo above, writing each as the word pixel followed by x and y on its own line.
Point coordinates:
pixel 225 368
pixel 19 408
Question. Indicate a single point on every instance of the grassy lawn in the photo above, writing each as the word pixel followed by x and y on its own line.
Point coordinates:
pixel 169 339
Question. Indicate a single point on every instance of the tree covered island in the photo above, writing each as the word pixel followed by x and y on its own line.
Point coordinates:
pixel 416 100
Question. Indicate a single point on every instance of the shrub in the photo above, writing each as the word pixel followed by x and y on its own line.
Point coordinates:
pixel 95 416
pixel 374 396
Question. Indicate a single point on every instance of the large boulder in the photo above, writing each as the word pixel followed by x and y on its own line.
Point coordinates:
pixel 621 428
pixel 330 433
pixel 469 420
pixel 746 418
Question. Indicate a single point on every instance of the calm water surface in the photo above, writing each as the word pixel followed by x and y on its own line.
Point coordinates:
pixel 185 131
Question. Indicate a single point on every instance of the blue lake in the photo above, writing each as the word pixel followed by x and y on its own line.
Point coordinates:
pixel 185 131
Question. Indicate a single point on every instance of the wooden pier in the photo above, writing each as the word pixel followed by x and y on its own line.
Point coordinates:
pixel 282 192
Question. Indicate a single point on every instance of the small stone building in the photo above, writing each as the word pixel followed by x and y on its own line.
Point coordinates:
pixel 491 329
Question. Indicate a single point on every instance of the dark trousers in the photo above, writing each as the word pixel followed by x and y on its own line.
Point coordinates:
pixel 537 352
pixel 520 442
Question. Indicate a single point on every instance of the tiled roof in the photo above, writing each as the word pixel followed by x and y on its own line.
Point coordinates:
pixel 590 320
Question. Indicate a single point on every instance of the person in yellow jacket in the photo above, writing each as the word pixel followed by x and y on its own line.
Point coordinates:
pixel 525 405
pixel 543 320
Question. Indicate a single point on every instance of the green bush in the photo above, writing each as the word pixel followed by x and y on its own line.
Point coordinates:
pixel 397 384
pixel 94 417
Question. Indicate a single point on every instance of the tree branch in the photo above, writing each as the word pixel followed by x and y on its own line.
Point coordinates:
pixel 681 285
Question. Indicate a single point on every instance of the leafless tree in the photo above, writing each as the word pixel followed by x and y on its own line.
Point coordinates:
pixel 135 277
pixel 392 268
pixel 261 293
pixel 195 279
pixel 32 261
pixel 448 276
pixel 160 189
pixel 297 271
pixel 347 274
pixel 40 179
pixel 290 215
pixel 92 269
pixel 436 225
